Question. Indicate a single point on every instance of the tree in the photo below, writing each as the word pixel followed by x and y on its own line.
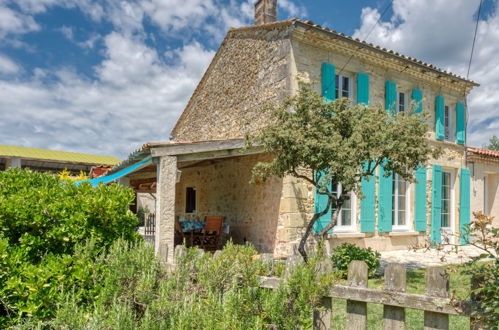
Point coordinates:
pixel 493 143
pixel 337 142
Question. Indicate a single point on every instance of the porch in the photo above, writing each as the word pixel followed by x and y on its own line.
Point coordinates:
pixel 192 181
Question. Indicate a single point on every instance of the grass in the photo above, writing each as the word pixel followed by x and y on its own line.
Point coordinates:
pixel 459 284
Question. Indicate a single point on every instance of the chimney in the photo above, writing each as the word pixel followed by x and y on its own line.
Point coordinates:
pixel 265 11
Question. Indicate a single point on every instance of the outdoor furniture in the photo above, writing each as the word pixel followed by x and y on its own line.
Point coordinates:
pixel 209 238
pixel 180 234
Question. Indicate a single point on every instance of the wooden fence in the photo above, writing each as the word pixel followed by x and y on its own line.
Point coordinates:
pixel 150 225
pixel 436 303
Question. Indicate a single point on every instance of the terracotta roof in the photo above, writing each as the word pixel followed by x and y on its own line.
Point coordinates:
pixel 361 43
pixel 484 152
pixel 57 156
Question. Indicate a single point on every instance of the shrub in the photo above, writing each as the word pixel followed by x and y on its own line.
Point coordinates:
pixel 345 253
pixel 51 233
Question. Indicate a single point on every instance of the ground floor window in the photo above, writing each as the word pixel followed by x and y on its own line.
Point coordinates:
pixel 346 217
pixel 190 200
pixel 400 203
pixel 446 200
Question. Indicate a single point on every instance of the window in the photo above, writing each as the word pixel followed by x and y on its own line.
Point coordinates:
pixel 190 200
pixel 446 200
pixel 485 196
pixel 402 102
pixel 447 123
pixel 346 217
pixel 343 87
pixel 400 203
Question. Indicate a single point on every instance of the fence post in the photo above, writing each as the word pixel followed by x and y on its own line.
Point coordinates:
pixel 437 285
pixel 356 310
pixel 395 280
pixel 323 315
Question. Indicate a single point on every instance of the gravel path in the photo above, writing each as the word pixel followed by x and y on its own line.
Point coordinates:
pixel 423 258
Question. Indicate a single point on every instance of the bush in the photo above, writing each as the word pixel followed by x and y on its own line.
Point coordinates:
pixel 136 291
pixel 51 233
pixel 345 253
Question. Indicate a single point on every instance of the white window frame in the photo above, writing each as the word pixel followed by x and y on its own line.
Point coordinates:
pixel 339 85
pixel 405 101
pixel 486 194
pixel 449 128
pixel 449 231
pixel 339 228
pixel 407 226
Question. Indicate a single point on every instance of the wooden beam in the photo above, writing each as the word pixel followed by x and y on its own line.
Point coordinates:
pixel 190 148
pixel 218 154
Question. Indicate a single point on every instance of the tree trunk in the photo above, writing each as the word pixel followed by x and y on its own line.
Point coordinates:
pixel 301 246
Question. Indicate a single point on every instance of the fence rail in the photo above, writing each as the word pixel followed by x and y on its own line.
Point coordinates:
pixel 150 225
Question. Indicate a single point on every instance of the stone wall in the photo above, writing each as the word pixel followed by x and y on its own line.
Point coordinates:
pixel 249 71
pixel 223 189
pixel 482 169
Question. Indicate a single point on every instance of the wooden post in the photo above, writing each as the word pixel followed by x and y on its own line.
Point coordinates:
pixel 356 310
pixel 395 280
pixel 475 284
pixel 323 315
pixel 437 285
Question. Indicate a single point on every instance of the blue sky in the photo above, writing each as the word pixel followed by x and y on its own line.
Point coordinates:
pixel 105 76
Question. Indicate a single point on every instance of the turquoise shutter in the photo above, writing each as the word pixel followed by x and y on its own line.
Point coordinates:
pixel 390 96
pixel 320 203
pixel 385 201
pixel 420 200
pixel 328 92
pixel 328 81
pixel 464 204
pixel 436 204
pixel 439 117
pixel 362 88
pixel 368 205
pixel 460 124
pixel 417 97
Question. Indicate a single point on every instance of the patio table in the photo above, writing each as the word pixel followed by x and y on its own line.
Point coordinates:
pixel 188 226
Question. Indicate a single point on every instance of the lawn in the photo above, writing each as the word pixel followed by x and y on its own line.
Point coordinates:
pixel 459 283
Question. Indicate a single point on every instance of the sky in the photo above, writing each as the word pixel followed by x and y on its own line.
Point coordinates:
pixel 106 76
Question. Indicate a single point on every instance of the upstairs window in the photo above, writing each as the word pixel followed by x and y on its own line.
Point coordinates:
pixel 447 124
pixel 402 102
pixel 343 86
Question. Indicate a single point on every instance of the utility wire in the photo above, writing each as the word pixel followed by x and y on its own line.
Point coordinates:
pixel 372 29
pixel 474 38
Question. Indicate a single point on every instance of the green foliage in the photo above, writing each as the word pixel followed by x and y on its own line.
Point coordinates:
pixel 43 214
pixel 493 143
pixel 486 275
pixel 342 255
pixel 51 232
pixel 202 292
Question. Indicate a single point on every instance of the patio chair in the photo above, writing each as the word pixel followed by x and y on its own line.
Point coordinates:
pixel 179 234
pixel 210 237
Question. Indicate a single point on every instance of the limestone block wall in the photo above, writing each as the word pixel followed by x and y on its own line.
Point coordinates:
pixel 223 189
pixel 250 69
pixel 485 188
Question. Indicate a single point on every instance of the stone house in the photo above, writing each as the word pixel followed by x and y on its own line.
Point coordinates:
pixel 204 170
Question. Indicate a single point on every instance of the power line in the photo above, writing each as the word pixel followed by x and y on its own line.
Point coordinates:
pixel 474 38
pixel 372 29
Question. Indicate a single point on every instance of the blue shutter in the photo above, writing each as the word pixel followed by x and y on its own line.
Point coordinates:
pixel 362 88
pixel 439 117
pixel 420 200
pixel 368 205
pixel 320 203
pixel 390 96
pixel 328 81
pixel 417 97
pixel 328 92
pixel 385 201
pixel 464 204
pixel 460 124
pixel 436 204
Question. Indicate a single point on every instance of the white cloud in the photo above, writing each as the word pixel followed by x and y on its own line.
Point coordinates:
pixel 15 22
pixel 443 36
pixel 7 66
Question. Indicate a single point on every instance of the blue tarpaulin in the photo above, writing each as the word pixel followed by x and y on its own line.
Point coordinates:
pixel 115 176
